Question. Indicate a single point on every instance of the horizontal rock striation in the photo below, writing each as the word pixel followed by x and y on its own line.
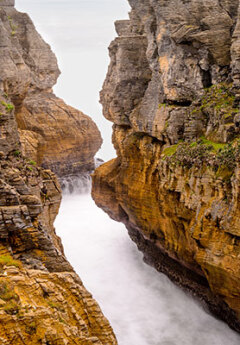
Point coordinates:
pixel 172 92
pixel 53 134
pixel 42 300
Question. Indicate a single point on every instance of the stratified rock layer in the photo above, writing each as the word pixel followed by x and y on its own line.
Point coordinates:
pixel 42 300
pixel 52 133
pixel 172 91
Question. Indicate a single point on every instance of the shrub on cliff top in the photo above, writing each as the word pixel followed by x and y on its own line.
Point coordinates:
pixel 221 157
pixel 192 154
pixel 218 96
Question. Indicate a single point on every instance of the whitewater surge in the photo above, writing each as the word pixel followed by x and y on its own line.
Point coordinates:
pixel 143 306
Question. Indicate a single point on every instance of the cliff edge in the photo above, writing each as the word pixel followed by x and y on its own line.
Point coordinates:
pixel 42 300
pixel 53 134
pixel 173 93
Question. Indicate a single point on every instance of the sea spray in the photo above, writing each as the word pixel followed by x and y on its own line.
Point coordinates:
pixel 143 306
pixel 78 183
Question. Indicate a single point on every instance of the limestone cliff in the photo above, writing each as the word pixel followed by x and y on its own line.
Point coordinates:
pixel 42 300
pixel 172 92
pixel 52 133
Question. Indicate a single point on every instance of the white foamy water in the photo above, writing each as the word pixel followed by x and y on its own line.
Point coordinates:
pixel 143 306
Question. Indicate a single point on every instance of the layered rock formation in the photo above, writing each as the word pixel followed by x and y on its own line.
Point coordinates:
pixel 42 300
pixel 52 133
pixel 172 92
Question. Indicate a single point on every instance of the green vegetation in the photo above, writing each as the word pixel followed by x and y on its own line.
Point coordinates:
pixel 31 162
pixel 171 150
pixel 31 328
pixel 220 98
pixel 12 26
pixel 7 260
pixel 166 125
pixel 8 106
pixel 222 158
pixel 214 146
pixel 8 295
pixel 160 105
pixel 61 320
pixel 11 307
pixel 228 156
pixel 56 306
pixel 17 153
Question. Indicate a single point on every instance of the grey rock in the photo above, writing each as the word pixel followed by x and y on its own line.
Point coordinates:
pixel 10 3
pixel 168 54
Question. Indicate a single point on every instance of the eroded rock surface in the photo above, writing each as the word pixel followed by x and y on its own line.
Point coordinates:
pixel 52 133
pixel 42 300
pixel 172 91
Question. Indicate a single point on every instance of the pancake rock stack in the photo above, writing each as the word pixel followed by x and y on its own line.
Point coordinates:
pixel 173 93
pixel 42 300
pixel 52 133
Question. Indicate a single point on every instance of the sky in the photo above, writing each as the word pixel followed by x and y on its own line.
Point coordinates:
pixel 79 32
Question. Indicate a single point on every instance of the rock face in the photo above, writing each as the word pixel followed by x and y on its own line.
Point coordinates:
pixel 53 134
pixel 42 300
pixel 172 92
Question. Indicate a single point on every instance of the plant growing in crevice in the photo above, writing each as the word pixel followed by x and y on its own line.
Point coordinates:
pixel 17 153
pixel 32 162
pixel 7 260
pixel 12 26
pixel 8 295
pixel 8 106
pixel 222 158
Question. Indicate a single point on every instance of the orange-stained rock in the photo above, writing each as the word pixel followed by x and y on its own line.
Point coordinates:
pixel 56 135
pixel 53 134
pixel 49 308
pixel 172 92
pixel 42 300
pixel 182 219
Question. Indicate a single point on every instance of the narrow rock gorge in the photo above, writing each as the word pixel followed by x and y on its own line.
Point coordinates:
pixel 173 93
pixel 42 300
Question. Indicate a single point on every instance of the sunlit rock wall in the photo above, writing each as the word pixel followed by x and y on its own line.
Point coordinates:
pixel 42 300
pixel 172 92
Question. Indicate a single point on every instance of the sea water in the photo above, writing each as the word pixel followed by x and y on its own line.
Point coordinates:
pixel 143 306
